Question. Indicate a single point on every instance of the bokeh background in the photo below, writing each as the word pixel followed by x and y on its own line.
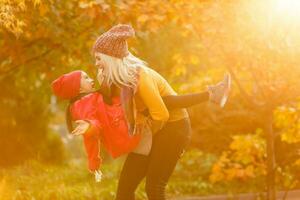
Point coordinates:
pixel 192 44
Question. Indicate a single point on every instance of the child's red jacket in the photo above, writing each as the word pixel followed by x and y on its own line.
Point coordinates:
pixel 108 127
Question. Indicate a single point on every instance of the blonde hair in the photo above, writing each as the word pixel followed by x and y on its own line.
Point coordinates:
pixel 121 72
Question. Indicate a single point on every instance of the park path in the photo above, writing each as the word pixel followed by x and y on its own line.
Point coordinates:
pixel 292 195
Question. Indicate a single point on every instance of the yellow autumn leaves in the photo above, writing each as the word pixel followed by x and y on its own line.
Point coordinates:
pixel 287 120
pixel 245 159
pixel 247 153
pixel 9 14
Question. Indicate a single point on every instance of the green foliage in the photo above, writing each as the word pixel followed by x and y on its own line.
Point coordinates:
pixel 191 174
pixel 73 181
pixel 24 121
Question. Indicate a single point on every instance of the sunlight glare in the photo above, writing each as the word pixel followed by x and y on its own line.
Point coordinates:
pixel 288 8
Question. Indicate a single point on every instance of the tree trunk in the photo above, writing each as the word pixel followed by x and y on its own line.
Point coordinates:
pixel 271 193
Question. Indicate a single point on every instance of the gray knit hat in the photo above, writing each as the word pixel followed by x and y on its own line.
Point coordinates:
pixel 113 42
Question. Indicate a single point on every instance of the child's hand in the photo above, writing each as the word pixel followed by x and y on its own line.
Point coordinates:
pixel 98 176
pixel 81 128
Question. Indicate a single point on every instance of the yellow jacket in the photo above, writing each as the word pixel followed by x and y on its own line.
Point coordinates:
pixel 150 90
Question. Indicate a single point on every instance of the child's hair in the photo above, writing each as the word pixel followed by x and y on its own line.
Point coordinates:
pixel 69 119
pixel 68 112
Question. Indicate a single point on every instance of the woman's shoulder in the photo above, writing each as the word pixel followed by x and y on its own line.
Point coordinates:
pixel 143 77
pixel 145 71
pixel 146 74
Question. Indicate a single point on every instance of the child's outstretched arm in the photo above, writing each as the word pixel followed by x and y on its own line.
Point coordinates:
pixel 90 129
pixel 92 147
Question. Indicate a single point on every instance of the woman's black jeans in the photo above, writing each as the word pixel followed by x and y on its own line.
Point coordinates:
pixel 167 147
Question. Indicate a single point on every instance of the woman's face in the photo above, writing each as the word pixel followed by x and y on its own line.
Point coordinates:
pixel 86 83
pixel 98 62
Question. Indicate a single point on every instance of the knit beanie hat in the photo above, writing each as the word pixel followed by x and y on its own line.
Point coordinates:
pixel 67 86
pixel 113 42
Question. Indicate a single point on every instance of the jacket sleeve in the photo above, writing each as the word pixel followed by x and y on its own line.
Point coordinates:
pixel 149 93
pixel 92 146
pixel 86 110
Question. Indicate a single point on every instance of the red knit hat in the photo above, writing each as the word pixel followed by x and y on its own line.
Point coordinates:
pixel 67 86
pixel 113 42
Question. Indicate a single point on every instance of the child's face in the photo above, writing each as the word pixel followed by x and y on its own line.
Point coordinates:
pixel 86 83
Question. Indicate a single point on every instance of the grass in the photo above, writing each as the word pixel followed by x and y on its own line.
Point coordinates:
pixel 34 180
pixel 72 180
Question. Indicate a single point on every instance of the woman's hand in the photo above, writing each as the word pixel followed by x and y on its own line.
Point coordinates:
pixel 81 128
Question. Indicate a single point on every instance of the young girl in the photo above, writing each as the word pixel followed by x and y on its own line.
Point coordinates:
pixel 102 119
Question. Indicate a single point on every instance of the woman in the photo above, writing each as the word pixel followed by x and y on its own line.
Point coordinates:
pixel 170 128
